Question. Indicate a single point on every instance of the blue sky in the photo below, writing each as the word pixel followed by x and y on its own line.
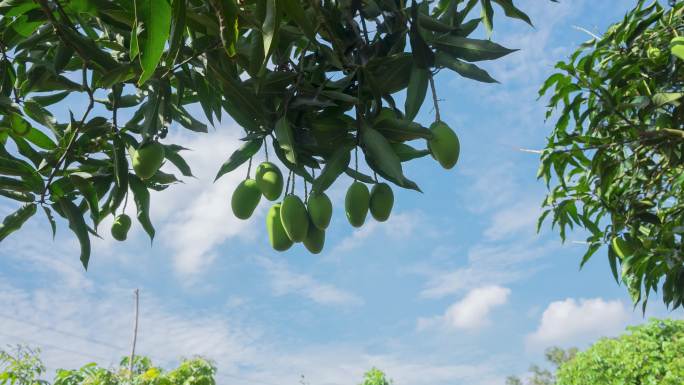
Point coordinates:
pixel 457 288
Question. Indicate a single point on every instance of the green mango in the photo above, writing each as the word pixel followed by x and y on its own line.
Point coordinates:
pixel 120 227
pixel 270 180
pixel 356 203
pixel 444 145
pixel 245 198
pixel 381 201
pixel 147 159
pixel 276 233
pixel 315 239
pixel 294 217
pixel 320 210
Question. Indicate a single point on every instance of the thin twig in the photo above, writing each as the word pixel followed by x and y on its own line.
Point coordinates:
pixel 435 101
pixel 72 140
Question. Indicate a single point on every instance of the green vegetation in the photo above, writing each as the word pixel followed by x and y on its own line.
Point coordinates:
pixel 22 366
pixel 614 162
pixel 652 353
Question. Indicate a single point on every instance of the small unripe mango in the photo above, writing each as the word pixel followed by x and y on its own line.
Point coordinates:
pixel 245 199
pixel 276 233
pixel 315 239
pixel 320 210
pixel 147 159
pixel 295 218
pixel 120 227
pixel 270 180
pixel 356 203
pixel 444 145
pixel 381 201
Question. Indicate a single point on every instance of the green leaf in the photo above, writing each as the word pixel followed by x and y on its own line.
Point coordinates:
pixel 417 89
pixel 487 15
pixel 38 113
pixel 174 157
pixel 14 221
pixel 142 202
pixel 269 29
pixel 402 130
pixel 283 133
pixel 677 47
pixel 512 11
pixel 239 157
pixel 334 167
pixel 227 14
pixel 51 99
pixel 78 226
pixel 375 146
pixel 467 70
pixel 155 16
pixel 51 220
pixel 86 188
pixel 472 49
pixel 406 152
pixel 660 99
pixel 294 10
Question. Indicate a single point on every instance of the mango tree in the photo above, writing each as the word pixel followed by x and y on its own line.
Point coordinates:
pixel 311 82
pixel 614 163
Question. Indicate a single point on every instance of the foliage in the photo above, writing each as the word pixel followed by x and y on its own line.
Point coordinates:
pixel 540 376
pixel 652 353
pixel 313 78
pixel 375 377
pixel 616 153
pixel 21 366
pixel 24 368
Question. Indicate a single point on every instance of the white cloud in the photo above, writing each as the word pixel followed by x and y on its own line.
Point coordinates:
pixel 471 312
pixel 195 217
pixel 284 281
pixel 567 321
pixel 488 264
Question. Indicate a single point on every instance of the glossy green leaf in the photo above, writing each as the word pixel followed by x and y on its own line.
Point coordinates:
pixel 155 16
pixel 78 227
pixel 239 157
pixel 334 167
pixel 141 196
pixel 415 94
pixel 14 221
pixel 283 133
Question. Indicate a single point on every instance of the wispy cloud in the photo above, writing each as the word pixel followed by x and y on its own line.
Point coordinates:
pixel 487 265
pixel 285 281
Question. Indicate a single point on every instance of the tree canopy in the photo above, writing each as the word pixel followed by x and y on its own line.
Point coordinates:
pixel 614 162
pixel 652 353
pixel 313 79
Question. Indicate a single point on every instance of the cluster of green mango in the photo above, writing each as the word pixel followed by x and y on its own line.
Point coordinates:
pixel 293 220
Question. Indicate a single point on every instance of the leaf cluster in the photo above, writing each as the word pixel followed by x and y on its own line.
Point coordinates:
pixel 614 162
pixel 306 77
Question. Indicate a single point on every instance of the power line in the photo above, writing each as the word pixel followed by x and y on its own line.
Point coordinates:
pixel 67 333
pixel 26 340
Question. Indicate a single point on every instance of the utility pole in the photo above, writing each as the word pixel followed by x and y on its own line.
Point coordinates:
pixel 135 334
